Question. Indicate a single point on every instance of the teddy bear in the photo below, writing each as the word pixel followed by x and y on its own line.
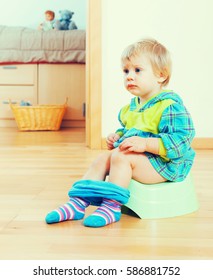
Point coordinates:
pixel 65 22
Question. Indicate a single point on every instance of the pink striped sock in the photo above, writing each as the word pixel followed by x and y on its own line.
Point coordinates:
pixel 109 212
pixel 72 210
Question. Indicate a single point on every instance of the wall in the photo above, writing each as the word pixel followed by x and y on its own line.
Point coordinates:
pixel 185 27
pixel 31 12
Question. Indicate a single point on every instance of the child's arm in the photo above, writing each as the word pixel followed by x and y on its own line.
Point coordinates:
pixel 138 144
pixel 176 131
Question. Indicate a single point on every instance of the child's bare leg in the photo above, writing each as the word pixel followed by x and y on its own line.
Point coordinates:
pixel 122 167
pixel 99 168
pixel 127 166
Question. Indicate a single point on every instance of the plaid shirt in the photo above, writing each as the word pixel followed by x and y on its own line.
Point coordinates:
pixel 176 130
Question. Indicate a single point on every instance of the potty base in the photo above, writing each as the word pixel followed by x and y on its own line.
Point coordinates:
pixel 163 200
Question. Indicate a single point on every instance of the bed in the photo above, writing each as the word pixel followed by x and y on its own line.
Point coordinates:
pixel 26 45
pixel 44 67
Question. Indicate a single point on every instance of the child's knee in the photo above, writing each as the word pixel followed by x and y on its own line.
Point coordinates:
pixel 117 156
pixel 102 159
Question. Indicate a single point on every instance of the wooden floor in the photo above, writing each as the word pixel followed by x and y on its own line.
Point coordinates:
pixel 36 171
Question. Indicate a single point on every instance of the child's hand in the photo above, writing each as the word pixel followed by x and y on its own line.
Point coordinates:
pixel 134 144
pixel 111 138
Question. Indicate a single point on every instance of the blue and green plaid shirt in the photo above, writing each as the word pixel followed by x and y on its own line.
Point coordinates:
pixel 164 116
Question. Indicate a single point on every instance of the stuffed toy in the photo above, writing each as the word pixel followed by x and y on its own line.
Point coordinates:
pixel 65 22
pixel 49 22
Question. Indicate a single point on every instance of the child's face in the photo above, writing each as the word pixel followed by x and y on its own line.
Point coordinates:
pixel 139 78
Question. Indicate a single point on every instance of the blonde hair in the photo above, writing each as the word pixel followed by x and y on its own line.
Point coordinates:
pixel 158 55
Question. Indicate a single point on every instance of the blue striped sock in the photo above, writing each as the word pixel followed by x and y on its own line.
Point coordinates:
pixel 72 210
pixel 109 212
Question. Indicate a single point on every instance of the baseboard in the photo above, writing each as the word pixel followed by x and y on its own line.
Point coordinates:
pixel 9 122
pixel 203 143
pixel 73 123
pixel 199 143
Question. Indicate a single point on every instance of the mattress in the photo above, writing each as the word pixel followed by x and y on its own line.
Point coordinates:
pixel 26 45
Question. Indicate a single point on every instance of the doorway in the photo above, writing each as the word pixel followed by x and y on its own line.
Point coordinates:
pixel 93 75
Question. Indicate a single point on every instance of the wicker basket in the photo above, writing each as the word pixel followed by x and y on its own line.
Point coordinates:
pixel 40 117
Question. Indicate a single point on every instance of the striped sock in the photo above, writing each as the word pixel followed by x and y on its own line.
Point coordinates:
pixel 109 212
pixel 72 210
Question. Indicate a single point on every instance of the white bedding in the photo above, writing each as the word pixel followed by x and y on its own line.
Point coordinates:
pixel 25 45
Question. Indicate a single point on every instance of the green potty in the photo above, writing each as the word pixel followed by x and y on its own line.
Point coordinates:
pixel 163 200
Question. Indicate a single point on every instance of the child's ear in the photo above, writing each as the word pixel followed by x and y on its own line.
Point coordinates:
pixel 161 78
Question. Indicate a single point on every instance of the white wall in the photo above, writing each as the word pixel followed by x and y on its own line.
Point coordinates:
pixel 30 13
pixel 185 27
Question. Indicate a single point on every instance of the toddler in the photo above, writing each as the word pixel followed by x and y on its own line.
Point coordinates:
pixel 153 144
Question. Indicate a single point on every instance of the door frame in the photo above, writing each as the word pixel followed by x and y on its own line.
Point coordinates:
pixel 94 75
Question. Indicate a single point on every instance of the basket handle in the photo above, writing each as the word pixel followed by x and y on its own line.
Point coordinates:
pixel 10 102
